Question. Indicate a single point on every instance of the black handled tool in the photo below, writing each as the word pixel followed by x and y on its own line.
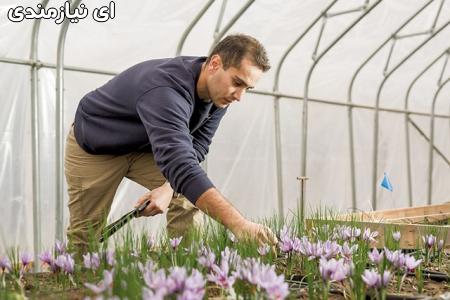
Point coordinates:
pixel 113 227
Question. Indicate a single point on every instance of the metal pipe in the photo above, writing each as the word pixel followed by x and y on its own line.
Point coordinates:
pixel 231 23
pixel 308 79
pixel 40 64
pixel 220 18
pixel 278 152
pixel 376 122
pixel 188 29
pixel 350 94
pixel 349 11
pixel 435 148
pixel 407 120
pixel 35 128
pixel 430 157
pixel 443 67
pixel 59 125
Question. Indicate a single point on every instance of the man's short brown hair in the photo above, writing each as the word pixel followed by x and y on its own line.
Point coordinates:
pixel 233 48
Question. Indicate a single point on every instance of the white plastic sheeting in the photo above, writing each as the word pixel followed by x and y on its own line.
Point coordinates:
pixel 242 159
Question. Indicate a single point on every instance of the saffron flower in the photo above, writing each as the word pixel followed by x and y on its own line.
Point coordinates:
pixel 333 269
pixel 396 236
pixel 5 264
pixel 411 263
pixel 26 259
pixel 369 236
pixel 429 241
pixel 206 257
pixel 60 247
pixel 376 257
pixel 46 258
pixel 440 245
pixel 91 261
pixel 347 252
pixel 175 242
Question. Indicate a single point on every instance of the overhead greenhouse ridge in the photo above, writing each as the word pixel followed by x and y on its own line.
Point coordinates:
pixel 225 149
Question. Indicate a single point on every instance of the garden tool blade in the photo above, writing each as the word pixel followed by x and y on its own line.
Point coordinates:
pixel 113 227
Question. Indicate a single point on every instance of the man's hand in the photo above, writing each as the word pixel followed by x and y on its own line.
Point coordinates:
pixel 159 200
pixel 254 231
pixel 217 207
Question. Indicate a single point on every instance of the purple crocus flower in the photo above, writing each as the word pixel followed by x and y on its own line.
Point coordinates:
pixel 396 258
pixel 333 269
pixel 314 250
pixel 369 236
pixel 385 279
pixel 411 263
pixel 206 257
pixel 175 242
pixel 347 252
pixel 396 236
pixel 104 285
pixel 69 265
pixel 175 280
pixel 194 286
pixel 286 241
pixel 331 249
pixel 91 261
pixel 263 250
pixel 5 264
pixel 376 257
pixel 429 240
pixel 60 247
pixel 371 278
pixel 46 258
pixel 26 259
pixel 273 284
pixel 220 275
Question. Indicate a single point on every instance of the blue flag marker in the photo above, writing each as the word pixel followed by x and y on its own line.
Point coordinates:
pixel 386 183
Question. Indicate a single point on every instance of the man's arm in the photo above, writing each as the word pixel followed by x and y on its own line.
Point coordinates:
pixel 216 206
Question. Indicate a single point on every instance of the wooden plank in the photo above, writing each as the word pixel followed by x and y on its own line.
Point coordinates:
pixel 411 233
pixel 437 212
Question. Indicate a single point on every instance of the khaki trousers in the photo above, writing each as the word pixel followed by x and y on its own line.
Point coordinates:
pixel 92 183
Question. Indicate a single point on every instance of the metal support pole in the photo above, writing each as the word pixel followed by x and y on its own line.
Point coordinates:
pixel 430 157
pixel 230 23
pixel 278 152
pixel 308 79
pixel 302 191
pixel 59 126
pixel 194 22
pixel 35 128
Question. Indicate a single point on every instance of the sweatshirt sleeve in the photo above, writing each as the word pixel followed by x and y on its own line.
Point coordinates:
pixel 165 115
pixel 202 137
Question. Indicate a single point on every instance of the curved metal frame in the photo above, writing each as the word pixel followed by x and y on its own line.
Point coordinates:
pixel 408 120
pixel 59 126
pixel 430 157
pixel 350 98
pixel 35 126
pixel 377 104
pixel 305 102
pixel 194 22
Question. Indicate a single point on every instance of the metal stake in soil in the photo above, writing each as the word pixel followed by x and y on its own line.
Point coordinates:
pixel 302 197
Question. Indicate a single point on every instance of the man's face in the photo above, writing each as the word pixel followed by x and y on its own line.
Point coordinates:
pixel 226 86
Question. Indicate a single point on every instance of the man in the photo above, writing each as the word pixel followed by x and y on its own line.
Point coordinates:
pixel 153 123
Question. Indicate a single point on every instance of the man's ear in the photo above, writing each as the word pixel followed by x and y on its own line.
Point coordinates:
pixel 215 63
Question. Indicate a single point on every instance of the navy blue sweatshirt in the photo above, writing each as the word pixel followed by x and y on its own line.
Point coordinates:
pixel 153 107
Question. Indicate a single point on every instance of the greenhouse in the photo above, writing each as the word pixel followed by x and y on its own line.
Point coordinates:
pixel 327 177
